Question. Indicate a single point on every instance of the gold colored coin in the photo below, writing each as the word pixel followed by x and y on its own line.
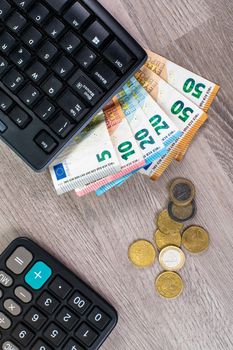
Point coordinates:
pixel 142 253
pixel 195 239
pixel 168 225
pixel 162 240
pixel 169 284
pixel 182 192
pixel 171 258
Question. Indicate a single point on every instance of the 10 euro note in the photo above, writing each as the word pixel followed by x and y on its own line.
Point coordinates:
pixel 89 157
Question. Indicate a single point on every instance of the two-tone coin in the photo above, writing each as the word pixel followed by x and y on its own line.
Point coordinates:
pixel 172 258
pixel 182 214
pixel 142 253
pixel 169 284
pixel 195 239
pixel 182 192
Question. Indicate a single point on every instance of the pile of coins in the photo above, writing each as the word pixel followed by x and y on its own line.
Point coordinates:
pixel 170 235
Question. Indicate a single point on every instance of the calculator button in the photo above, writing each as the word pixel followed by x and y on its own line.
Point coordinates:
pixel 86 334
pixel 96 34
pixel 118 56
pixel 79 303
pixel 45 142
pixel 40 345
pixel 19 117
pixel 77 15
pixel 5 322
pixel 8 345
pixel 12 307
pixel 54 334
pixel 22 334
pixel 104 75
pixel 5 279
pixel 4 8
pixel 98 318
pixel 35 318
pixel 38 275
pixel 23 294
pixel 72 345
pixel 67 318
pixel 19 260
pixel 72 105
pixel 60 287
pixel 48 303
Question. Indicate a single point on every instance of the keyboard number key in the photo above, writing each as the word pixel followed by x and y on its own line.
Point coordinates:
pixel 29 94
pixel 98 318
pixel 86 335
pixel 22 334
pixel 79 303
pixel 46 142
pixel 54 334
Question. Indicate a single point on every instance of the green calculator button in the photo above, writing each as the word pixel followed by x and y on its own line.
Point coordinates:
pixel 38 275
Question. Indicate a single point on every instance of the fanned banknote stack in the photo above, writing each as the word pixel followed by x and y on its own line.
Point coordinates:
pixel 150 123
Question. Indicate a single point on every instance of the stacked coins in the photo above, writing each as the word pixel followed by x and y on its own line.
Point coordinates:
pixel 170 235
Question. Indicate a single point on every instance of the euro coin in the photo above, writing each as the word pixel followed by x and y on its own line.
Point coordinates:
pixel 172 258
pixel 169 284
pixel 195 239
pixel 167 225
pixel 182 214
pixel 142 253
pixel 162 240
pixel 182 192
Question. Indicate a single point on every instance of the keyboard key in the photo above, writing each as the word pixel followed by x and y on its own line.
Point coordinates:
pixel 48 303
pixel 19 117
pixel 38 13
pixel 47 52
pixel 104 75
pixel 67 318
pixel 72 105
pixel 41 345
pixel 31 37
pixel 9 345
pixel 3 126
pixel 61 125
pixel 23 294
pixel 22 334
pixel 35 319
pixel 5 102
pixel 79 303
pixel 54 28
pixel 46 142
pixel 57 5
pixel 86 57
pixel 13 80
pixel 23 4
pixel 20 56
pixel 16 22
pixel 118 56
pixel 12 307
pixel 19 260
pixel 84 86
pixel 96 35
pixel 98 318
pixel 60 287
pixel 72 345
pixel 77 15
pixel 63 67
pixel 37 71
pixel 54 334
pixel 70 42
pixel 5 322
pixel 5 8
pixel 38 275
pixel 52 86
pixel 5 279
pixel 3 65
pixel 7 42
pixel 44 109
pixel 29 95
pixel 86 335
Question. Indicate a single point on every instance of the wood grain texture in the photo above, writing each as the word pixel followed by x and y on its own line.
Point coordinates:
pixel 92 235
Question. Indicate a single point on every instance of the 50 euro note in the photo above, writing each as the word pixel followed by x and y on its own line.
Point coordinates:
pixel 186 115
pixel 127 149
pixel 89 157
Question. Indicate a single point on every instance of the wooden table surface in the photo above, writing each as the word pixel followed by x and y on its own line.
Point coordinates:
pixel 91 235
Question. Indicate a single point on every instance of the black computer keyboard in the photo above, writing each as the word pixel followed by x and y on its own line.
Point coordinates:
pixel 60 62
pixel 44 306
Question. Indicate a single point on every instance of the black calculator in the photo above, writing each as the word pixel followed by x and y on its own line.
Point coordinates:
pixel 44 306
pixel 61 61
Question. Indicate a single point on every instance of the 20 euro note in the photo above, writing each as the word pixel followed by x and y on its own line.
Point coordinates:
pixel 89 157
pixel 196 88
pixel 128 151
pixel 186 115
